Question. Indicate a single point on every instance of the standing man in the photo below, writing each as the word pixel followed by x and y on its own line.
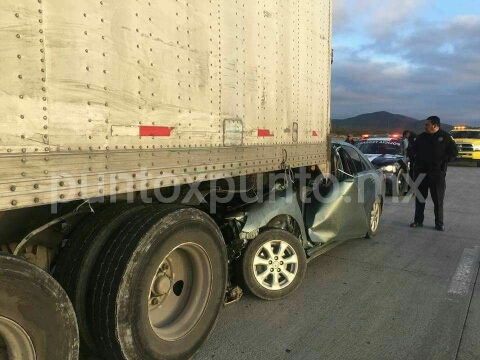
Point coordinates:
pixel 411 138
pixel 404 141
pixel 432 150
pixel 349 139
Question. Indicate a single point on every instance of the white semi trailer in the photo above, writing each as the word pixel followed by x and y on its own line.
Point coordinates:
pixel 123 124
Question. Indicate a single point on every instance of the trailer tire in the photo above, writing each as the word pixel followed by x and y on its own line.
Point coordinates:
pixel 166 256
pixel 77 258
pixel 37 320
pixel 257 257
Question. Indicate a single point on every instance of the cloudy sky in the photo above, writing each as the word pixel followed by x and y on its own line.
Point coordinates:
pixel 411 57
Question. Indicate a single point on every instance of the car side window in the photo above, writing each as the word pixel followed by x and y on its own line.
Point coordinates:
pixel 355 159
pixel 367 165
pixel 347 163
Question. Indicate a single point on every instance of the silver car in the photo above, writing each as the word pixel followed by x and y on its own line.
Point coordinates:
pixel 302 217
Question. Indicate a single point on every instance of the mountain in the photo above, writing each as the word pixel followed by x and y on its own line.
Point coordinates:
pixel 381 122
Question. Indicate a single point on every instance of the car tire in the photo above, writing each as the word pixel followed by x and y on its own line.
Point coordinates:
pixel 400 186
pixel 77 259
pixel 274 265
pixel 37 320
pixel 373 218
pixel 166 256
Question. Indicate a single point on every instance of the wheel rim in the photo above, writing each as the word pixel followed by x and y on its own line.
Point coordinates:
pixel 375 216
pixel 179 292
pixel 275 265
pixel 18 343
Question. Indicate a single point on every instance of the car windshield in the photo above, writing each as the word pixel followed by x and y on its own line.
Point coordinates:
pixel 380 147
pixel 466 134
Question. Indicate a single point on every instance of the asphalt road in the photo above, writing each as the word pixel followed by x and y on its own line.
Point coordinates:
pixel 406 294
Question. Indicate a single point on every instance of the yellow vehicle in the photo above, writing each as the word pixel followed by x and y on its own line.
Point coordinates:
pixel 468 143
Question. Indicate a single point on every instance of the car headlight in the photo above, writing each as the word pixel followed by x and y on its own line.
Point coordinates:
pixel 389 168
pixel 476 147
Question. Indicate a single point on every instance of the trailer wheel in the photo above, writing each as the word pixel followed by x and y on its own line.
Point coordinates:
pixel 274 265
pixel 159 286
pixel 77 259
pixel 37 320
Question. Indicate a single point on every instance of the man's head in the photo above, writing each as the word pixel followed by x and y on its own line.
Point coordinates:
pixel 432 124
pixel 406 134
pixel 350 136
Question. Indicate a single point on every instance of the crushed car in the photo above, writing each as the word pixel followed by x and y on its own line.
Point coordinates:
pixel 296 221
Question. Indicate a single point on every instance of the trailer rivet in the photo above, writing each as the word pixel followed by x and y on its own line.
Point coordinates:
pixel 36 200
pixel 62 196
pixel 14 202
pixel 61 183
pixel 36 186
pixel 13 188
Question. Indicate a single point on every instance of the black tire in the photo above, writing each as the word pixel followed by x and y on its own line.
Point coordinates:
pixel 400 183
pixel 372 230
pixel 120 294
pixel 257 249
pixel 77 258
pixel 33 301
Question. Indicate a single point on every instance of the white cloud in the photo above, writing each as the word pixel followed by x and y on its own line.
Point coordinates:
pixel 390 14
pixel 432 69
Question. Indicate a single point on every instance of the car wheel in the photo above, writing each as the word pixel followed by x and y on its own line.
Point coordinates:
pixel 159 285
pixel 37 320
pixel 374 219
pixel 401 183
pixel 274 265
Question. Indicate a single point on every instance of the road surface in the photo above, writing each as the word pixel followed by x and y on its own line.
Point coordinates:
pixel 406 294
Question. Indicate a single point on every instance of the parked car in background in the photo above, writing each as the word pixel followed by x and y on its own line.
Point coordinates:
pixel 468 143
pixel 386 153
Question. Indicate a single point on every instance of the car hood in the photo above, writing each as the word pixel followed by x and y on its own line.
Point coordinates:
pixel 382 160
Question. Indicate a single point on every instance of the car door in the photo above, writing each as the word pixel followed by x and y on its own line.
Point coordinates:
pixel 366 178
pixel 353 191
pixel 335 213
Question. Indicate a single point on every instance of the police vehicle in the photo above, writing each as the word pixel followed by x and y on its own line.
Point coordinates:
pixel 388 154
pixel 468 143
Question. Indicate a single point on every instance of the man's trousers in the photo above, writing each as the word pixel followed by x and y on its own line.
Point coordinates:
pixel 434 180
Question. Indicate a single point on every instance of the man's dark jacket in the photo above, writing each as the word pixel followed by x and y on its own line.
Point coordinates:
pixel 433 151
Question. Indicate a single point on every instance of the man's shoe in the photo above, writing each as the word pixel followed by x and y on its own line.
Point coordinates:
pixel 440 227
pixel 416 224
